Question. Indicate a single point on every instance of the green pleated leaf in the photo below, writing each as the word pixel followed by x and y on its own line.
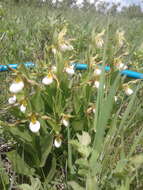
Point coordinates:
pixel 25 187
pixel 19 165
pixel 37 102
pixel 46 143
pixel 20 134
pixel 4 178
pixel 75 186
pixel 52 171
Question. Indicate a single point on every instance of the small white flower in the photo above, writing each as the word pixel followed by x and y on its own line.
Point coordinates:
pixel 121 66
pixel 70 48
pixel 70 70
pixel 128 91
pixel 91 110
pixel 16 87
pixel 47 80
pixel 96 84
pixel 34 126
pixel 99 39
pixel 94 110
pixel 97 71
pixel 23 108
pixel 54 68
pixel 12 100
pixel 115 98
pixel 100 43
pixel 57 142
pixel 65 122
pixel 54 51
pixel 65 47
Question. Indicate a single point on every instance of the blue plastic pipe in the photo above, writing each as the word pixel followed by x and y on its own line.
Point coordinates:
pixel 132 74
pixel 78 66
pixel 128 73
pixel 14 66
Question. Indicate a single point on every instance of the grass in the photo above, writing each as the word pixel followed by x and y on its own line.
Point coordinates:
pixel 101 150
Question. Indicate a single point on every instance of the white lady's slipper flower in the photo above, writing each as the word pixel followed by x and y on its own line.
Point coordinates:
pixel 121 66
pixel 91 110
pixel 97 84
pixel 120 37
pixel 23 108
pixel 99 39
pixel 48 79
pixel 70 70
pixel 12 100
pixel 97 71
pixel 128 91
pixel 16 86
pixel 54 69
pixel 64 47
pixel 65 122
pixel 57 142
pixel 34 126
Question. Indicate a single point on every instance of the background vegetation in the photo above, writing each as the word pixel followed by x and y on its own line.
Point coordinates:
pixel 102 142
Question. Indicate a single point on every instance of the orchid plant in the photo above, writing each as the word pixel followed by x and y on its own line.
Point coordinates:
pixel 61 116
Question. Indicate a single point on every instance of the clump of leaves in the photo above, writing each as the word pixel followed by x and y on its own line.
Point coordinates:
pixel 69 118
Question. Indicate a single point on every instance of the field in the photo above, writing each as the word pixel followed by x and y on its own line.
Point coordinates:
pixel 62 128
